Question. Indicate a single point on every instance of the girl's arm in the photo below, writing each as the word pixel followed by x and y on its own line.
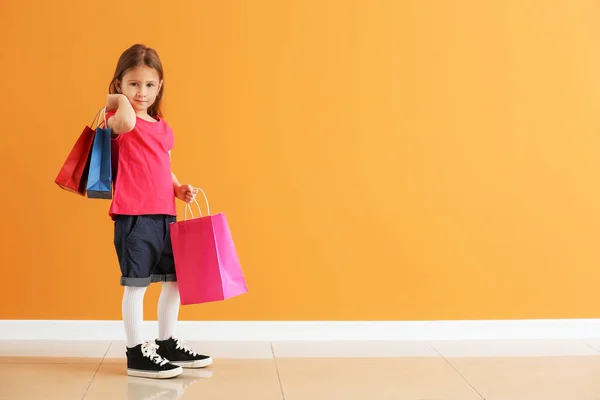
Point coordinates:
pixel 176 184
pixel 185 193
pixel 124 119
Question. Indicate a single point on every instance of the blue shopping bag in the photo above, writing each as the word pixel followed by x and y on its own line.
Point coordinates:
pixel 99 184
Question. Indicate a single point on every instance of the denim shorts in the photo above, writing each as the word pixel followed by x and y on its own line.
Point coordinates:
pixel 143 245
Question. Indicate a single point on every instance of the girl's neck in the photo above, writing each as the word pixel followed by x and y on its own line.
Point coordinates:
pixel 145 116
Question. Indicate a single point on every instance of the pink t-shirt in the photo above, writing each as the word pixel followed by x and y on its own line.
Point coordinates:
pixel 143 183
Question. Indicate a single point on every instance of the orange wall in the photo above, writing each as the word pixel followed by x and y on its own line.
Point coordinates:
pixel 376 159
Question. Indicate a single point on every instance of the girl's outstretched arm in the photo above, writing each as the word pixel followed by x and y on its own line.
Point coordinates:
pixel 124 119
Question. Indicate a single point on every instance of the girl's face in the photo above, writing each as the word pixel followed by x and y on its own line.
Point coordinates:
pixel 140 85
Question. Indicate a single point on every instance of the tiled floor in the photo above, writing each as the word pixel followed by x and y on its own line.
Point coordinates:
pixel 455 370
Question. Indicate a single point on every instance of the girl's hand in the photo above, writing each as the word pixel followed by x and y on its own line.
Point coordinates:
pixel 186 193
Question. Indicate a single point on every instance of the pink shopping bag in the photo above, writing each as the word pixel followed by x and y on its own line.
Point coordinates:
pixel 206 261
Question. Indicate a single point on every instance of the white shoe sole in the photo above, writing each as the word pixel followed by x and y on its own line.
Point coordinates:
pixel 193 364
pixel 155 374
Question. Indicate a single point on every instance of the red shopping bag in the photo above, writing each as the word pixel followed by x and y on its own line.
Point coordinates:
pixel 73 174
pixel 206 261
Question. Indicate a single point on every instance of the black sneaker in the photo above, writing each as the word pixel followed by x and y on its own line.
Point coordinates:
pixel 178 354
pixel 143 361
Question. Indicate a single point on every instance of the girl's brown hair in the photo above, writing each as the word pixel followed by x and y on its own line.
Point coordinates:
pixel 133 57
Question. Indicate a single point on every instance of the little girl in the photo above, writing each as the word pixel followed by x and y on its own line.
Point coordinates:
pixel 143 206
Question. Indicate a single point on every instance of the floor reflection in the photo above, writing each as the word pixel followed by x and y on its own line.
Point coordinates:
pixel 164 389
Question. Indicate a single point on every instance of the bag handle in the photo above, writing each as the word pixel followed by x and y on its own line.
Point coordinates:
pixel 97 118
pixel 187 206
pixel 103 111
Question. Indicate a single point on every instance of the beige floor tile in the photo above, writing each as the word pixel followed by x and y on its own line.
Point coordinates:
pixel 352 349
pixel 217 350
pixel 52 351
pixel 226 379
pixel 595 343
pixel 533 378
pixel 116 352
pixel 513 348
pixel 50 360
pixel 367 378
pixel 45 382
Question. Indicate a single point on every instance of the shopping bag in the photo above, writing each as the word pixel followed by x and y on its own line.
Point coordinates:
pixel 206 261
pixel 99 185
pixel 73 174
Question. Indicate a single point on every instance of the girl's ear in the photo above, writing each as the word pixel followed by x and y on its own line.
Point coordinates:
pixel 160 86
pixel 118 85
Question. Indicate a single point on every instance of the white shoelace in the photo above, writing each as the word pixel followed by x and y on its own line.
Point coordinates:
pixel 149 351
pixel 181 346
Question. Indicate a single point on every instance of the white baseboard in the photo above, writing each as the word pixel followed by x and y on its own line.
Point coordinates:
pixel 311 330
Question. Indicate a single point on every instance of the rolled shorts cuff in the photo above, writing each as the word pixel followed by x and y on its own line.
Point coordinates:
pixel 135 282
pixel 143 282
pixel 163 278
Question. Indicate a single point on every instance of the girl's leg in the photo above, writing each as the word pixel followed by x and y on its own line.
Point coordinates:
pixel 133 314
pixel 168 310
pixel 171 347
